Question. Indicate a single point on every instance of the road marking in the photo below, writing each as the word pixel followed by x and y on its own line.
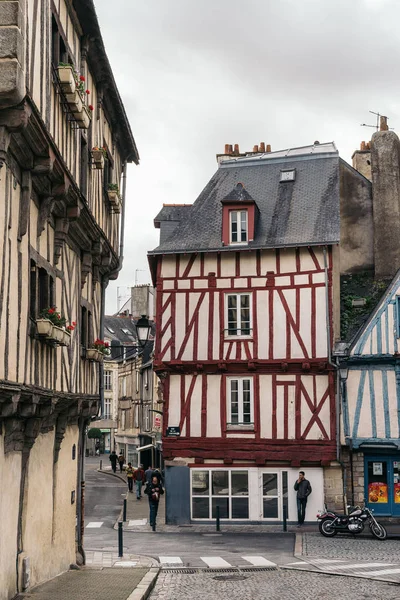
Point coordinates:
pixel 356 566
pixel 137 522
pixel 326 560
pixel 215 562
pixel 170 560
pixel 305 564
pixel 94 524
pixel 383 572
pixel 259 561
pixel 125 563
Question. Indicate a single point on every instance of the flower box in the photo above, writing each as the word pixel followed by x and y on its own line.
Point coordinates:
pixel 115 200
pixel 98 159
pixel 75 102
pixel 83 118
pixel 58 334
pixel 44 327
pixel 92 354
pixel 67 79
pixel 66 338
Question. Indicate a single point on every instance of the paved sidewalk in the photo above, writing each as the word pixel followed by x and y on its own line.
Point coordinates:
pixel 96 584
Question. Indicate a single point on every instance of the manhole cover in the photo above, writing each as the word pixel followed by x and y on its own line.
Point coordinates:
pixel 230 577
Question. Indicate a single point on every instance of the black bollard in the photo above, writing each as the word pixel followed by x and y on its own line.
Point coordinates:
pixel 217 521
pixel 120 540
pixel 124 512
pixel 101 465
pixel 284 518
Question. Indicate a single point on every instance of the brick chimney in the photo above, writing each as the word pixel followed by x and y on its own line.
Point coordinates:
pixel 362 160
pixel 234 152
pixel 385 162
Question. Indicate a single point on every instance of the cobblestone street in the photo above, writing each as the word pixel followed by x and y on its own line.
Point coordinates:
pixel 359 548
pixel 279 584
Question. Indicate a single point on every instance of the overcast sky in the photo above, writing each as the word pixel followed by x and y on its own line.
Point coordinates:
pixel 194 75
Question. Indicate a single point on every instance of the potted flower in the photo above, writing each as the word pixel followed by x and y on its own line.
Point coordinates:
pixel 53 326
pixel 113 196
pixel 67 333
pixel 84 117
pixel 67 78
pixel 75 101
pixel 44 324
pixel 98 157
pixel 98 351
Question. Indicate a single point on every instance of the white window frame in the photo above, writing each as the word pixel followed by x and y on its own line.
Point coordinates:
pixel 230 496
pixel 238 321
pixel 108 377
pixel 239 221
pixel 107 408
pixel 241 423
pixel 123 386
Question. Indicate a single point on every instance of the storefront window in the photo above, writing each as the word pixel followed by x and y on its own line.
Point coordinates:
pixel 377 482
pixel 229 491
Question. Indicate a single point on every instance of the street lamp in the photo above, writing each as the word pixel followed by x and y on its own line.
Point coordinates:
pixel 143 328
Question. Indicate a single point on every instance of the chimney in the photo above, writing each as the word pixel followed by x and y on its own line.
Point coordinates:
pixel 262 146
pixel 362 160
pixel 236 150
pixel 268 148
pixel 383 126
pixel 227 149
pixel 142 301
pixel 255 149
pixel 385 159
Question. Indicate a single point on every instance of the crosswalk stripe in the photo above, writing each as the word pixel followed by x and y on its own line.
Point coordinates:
pixel 94 524
pixel 383 572
pixel 356 566
pixel 259 561
pixel 326 560
pixel 170 560
pixel 305 564
pixel 215 562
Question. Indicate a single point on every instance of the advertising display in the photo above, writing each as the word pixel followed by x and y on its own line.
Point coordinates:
pixel 378 492
pixel 397 493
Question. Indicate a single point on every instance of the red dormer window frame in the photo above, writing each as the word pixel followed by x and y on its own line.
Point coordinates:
pixel 227 209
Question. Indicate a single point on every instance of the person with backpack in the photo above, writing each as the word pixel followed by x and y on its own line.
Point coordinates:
pixel 129 476
pixel 139 478
pixel 154 490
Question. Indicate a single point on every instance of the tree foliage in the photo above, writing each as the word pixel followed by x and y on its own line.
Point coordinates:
pixel 94 433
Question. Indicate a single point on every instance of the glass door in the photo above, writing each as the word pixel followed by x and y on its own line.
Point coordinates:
pixel 270 495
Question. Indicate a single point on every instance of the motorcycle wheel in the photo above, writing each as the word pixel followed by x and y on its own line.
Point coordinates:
pixel 378 531
pixel 325 529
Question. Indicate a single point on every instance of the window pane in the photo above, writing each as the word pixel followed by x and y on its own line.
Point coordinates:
pixel 200 483
pixel 239 483
pixel 243 226
pixel 220 485
pixel 246 402
pixel 234 401
pixel 223 504
pixel 240 508
pixel 200 508
pixel 270 508
pixel 232 314
pixel 245 314
pixel 270 484
pixel 234 227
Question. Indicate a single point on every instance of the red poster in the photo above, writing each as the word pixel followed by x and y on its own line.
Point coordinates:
pixel 378 492
pixel 397 493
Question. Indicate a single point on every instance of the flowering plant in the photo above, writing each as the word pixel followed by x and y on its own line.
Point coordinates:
pixel 113 187
pixel 98 149
pixel 91 107
pixel 71 327
pixel 102 346
pixel 55 317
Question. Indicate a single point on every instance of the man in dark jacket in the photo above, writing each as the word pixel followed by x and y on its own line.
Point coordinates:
pixel 303 489
pixel 154 490
pixel 113 460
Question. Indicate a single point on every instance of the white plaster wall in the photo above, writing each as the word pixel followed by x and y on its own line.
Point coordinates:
pixel 10 474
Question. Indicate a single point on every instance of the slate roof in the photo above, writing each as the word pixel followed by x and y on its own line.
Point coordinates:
pixel 121 331
pixel 292 213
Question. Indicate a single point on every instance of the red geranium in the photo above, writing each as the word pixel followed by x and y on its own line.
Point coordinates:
pixel 88 92
pixel 81 78
pixel 91 107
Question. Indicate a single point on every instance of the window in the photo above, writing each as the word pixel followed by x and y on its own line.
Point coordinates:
pixel 59 51
pixel 228 489
pixel 41 290
pixel 238 314
pixel 146 423
pixel 397 316
pixel 288 175
pixel 123 387
pixel 238 226
pixel 240 401
pixel 108 380
pixel 107 408
pixel 84 165
pixel 86 328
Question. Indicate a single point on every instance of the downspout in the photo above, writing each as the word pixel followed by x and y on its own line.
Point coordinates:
pixel 335 365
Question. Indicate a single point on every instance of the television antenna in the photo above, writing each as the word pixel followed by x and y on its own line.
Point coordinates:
pixel 381 122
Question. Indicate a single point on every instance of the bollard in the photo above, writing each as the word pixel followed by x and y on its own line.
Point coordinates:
pixel 124 512
pixel 217 522
pixel 120 541
pixel 101 465
pixel 284 518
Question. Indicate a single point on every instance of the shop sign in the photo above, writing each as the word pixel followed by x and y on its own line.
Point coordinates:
pixel 377 468
pixel 157 421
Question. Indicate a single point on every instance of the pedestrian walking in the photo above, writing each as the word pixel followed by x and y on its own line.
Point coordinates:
pixel 154 490
pixel 121 460
pixel 149 474
pixel 157 473
pixel 139 478
pixel 129 476
pixel 303 489
pixel 113 460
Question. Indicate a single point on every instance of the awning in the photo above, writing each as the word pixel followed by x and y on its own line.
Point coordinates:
pixel 145 447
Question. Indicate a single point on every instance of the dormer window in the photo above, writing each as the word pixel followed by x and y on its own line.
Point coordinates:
pixel 238 226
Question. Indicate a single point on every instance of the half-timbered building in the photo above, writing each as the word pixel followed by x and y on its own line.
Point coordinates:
pixel 245 284
pixel 368 351
pixel 64 145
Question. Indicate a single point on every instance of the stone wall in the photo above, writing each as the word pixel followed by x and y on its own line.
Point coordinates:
pixel 333 486
pixel 358 476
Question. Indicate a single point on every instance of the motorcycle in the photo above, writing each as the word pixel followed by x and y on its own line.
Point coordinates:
pixel 331 523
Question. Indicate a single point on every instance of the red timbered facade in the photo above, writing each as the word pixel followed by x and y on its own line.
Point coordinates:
pixel 242 346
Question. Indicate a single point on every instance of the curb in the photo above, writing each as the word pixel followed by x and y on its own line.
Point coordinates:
pixel 144 587
pixel 112 474
pixel 298 546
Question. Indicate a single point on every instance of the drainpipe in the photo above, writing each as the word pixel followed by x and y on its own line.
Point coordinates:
pixel 335 365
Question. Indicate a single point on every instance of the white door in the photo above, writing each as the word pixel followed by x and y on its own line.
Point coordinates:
pixel 270 495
